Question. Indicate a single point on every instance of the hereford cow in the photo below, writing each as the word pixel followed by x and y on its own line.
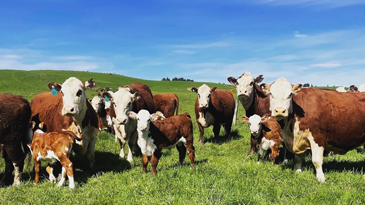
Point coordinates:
pixel 53 147
pixel 153 137
pixel 15 114
pixel 213 107
pixel 99 106
pixel 69 110
pixel 318 120
pixel 267 131
pixel 133 97
pixel 252 98
pixel 167 103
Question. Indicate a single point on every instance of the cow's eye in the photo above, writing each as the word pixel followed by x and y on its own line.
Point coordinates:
pixel 199 95
pixel 79 93
pixel 291 94
pixel 249 124
pixel 138 119
pixel 251 83
pixel 271 95
pixel 209 96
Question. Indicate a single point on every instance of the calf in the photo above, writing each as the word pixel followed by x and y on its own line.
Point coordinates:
pixel 157 135
pixel 213 107
pixel 267 132
pixel 53 147
pixel 15 114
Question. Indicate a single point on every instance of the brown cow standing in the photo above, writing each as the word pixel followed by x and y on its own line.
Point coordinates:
pixel 157 135
pixel 52 147
pixel 69 110
pixel 213 107
pixel 15 114
pixel 167 103
pixel 267 132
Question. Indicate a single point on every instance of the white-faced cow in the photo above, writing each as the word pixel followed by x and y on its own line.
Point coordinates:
pixel 167 103
pixel 252 98
pixel 318 120
pixel 267 131
pixel 15 114
pixel 69 110
pixel 213 107
pixel 153 136
pixel 133 97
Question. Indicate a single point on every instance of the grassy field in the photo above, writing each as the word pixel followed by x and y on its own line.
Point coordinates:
pixel 223 174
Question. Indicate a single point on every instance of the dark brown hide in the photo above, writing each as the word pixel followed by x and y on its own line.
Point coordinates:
pixel 167 103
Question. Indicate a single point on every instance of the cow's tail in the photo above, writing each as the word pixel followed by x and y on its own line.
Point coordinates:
pixel 27 152
pixel 177 105
pixel 72 134
pixel 235 112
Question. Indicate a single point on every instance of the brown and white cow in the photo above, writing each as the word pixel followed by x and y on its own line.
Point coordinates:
pixel 53 147
pixel 317 120
pixel 157 135
pixel 252 98
pixel 15 114
pixel 213 107
pixel 69 110
pixel 167 103
pixel 267 131
pixel 99 106
pixel 133 97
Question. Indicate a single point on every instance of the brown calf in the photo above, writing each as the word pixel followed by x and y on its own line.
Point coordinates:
pixel 53 147
pixel 157 135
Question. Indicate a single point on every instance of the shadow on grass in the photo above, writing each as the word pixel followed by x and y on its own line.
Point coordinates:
pixel 186 163
pixel 222 139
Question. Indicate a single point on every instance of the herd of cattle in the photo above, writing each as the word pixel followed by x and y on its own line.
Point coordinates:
pixel 55 124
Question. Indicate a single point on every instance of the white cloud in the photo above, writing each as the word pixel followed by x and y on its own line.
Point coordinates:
pixel 200 46
pixel 325 65
pixel 73 58
pixel 184 52
pixel 10 56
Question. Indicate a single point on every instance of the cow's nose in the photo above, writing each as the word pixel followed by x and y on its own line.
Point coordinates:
pixel 69 110
pixel 280 111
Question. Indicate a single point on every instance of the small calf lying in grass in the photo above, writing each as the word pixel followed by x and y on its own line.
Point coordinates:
pixel 157 135
pixel 53 147
pixel 267 131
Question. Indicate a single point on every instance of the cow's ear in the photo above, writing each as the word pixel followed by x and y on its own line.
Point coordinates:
pixel 132 115
pixel 53 85
pixel 265 88
pixel 32 125
pixel 297 88
pixel 232 80
pixel 108 96
pixel 259 79
pixel 213 89
pixel 89 83
pixel 245 119
pixel 265 118
pixel 193 89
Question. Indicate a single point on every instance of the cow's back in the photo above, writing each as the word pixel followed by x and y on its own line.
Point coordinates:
pixel 179 125
pixel 46 108
pixel 15 114
pixel 167 103
pixel 223 104
pixel 332 117
pixel 146 100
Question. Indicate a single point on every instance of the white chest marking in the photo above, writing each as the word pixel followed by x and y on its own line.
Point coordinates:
pixel 265 145
pixel 147 146
pixel 206 120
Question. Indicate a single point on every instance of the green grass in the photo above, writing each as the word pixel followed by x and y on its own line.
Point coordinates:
pixel 223 174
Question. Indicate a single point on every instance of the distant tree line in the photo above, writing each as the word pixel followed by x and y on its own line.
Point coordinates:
pixel 176 79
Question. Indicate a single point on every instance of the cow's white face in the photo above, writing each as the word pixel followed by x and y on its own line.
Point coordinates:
pixel 74 98
pixel 143 120
pixel 255 124
pixel 281 95
pixel 95 102
pixel 245 85
pixel 204 93
pixel 123 102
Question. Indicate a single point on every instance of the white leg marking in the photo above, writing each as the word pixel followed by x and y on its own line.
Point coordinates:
pixel 298 163
pixel 71 183
pixel 317 159
pixel 17 175
pixel 130 156
pixel 60 183
pixel 52 178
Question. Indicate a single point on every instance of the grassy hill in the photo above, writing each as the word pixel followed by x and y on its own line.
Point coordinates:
pixel 223 174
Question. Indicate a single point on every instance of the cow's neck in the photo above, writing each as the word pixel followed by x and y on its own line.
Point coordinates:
pixel 258 103
pixel 287 128
pixel 81 116
pixel 246 101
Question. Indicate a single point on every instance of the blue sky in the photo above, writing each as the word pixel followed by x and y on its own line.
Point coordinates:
pixel 321 42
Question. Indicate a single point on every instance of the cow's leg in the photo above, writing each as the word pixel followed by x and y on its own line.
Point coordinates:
pixel 275 154
pixel 67 167
pixel 154 161
pixel 317 159
pixel 122 143
pixel 37 166
pixel 191 150
pixel 253 146
pixel 49 170
pixel 216 130
pixel 298 159
pixel 227 128
pixel 144 162
pixel 132 142
pixel 201 131
pixel 90 154
pixel 182 152
pixel 14 161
